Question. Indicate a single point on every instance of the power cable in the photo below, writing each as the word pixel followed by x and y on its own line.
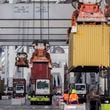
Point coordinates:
pixel 19 30
pixel 33 20
pixel 48 47
pixel 48 21
pixel 41 24
pixel 23 32
pixel 27 32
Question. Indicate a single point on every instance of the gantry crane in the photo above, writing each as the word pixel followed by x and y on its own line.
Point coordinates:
pixel 89 52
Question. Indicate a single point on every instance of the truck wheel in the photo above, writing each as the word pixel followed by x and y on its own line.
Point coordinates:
pixel 32 103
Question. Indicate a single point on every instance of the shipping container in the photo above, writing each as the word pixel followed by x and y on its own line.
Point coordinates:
pixel 1 88
pixel 40 70
pixel 90 46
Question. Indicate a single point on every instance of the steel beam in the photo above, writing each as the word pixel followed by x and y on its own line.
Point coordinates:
pixel 20 23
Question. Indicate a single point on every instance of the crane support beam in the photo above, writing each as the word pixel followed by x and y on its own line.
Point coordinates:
pixel 20 23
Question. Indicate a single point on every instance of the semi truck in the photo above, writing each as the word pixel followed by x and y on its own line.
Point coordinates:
pixel 2 88
pixel 19 87
pixel 40 80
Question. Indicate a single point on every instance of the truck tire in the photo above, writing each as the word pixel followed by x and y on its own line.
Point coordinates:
pixel 32 102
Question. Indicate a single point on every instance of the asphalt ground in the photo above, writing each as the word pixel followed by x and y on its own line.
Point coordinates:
pixel 5 104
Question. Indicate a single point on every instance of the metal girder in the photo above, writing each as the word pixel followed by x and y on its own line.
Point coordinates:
pixel 21 23
pixel 30 10
pixel 51 43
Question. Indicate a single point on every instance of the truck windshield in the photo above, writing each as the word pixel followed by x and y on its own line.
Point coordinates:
pixel 80 87
pixel 19 88
pixel 42 85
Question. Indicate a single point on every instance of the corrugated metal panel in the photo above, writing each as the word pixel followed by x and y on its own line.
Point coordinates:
pixel 1 86
pixel 40 71
pixel 90 46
